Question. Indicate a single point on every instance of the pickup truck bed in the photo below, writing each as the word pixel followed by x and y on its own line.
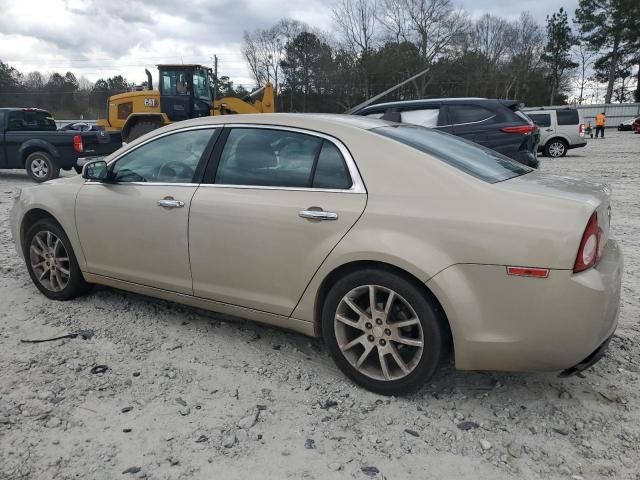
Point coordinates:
pixel 28 139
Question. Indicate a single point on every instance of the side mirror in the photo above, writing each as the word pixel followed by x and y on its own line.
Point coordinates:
pixel 96 170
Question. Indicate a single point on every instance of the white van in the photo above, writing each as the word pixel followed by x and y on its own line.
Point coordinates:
pixel 560 129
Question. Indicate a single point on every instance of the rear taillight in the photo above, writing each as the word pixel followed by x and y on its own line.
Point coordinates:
pixel 581 130
pixel 77 143
pixel 520 129
pixel 591 246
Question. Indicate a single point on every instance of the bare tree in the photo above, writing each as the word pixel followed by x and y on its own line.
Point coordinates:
pixel 357 22
pixel 394 20
pixel 584 58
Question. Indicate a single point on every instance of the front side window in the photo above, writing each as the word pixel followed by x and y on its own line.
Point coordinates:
pixel 541 119
pixel 281 158
pixel 425 118
pixel 471 158
pixel 170 159
pixel 461 114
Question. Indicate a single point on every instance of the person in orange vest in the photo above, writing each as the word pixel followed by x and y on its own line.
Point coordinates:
pixel 600 119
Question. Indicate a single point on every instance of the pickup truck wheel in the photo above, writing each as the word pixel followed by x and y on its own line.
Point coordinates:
pixel 41 168
pixel 140 129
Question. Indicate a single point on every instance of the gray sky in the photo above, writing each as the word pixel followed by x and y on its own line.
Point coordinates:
pixel 102 38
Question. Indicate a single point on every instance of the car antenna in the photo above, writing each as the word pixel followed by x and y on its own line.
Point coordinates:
pixel 388 90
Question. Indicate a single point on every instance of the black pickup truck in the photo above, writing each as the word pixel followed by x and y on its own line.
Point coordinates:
pixel 30 139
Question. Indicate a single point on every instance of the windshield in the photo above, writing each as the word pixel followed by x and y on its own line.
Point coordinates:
pixel 471 158
pixel 201 84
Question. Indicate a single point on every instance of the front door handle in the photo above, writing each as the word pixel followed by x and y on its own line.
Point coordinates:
pixel 318 214
pixel 170 203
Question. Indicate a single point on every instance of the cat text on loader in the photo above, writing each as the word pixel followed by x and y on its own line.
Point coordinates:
pixel 184 92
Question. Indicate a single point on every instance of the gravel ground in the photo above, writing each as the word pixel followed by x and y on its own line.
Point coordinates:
pixel 188 394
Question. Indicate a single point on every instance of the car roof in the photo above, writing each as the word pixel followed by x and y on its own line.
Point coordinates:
pixel 24 109
pixel 335 125
pixel 427 101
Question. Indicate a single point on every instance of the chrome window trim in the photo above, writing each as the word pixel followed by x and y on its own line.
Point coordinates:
pixel 470 123
pixel 162 135
pixel 357 184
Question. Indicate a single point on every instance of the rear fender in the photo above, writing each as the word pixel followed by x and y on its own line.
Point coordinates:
pixel 38 145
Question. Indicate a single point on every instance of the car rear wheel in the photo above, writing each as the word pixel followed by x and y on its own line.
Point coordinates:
pixel 51 262
pixel 556 148
pixel 40 167
pixel 382 331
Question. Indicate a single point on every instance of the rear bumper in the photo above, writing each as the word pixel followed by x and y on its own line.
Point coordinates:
pixel 591 360
pixel 508 323
pixel 577 145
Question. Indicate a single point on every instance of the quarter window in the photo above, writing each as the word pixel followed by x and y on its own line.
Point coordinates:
pixel 31 120
pixel 170 159
pixel 280 158
pixel 460 114
pixel 568 117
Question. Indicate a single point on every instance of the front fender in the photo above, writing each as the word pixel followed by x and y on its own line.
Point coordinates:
pixel 56 198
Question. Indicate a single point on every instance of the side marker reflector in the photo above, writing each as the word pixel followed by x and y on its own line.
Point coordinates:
pixel 528 272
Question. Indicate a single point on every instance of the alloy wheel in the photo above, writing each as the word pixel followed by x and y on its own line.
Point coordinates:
pixel 49 261
pixel 39 167
pixel 556 149
pixel 379 333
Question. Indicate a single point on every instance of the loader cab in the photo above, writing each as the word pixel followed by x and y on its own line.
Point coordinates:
pixel 185 91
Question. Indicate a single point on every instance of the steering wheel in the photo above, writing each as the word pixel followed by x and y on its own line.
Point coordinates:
pixel 174 170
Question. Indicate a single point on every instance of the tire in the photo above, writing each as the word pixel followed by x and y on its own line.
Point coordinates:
pixel 556 148
pixel 141 128
pixel 63 282
pixel 40 167
pixel 409 301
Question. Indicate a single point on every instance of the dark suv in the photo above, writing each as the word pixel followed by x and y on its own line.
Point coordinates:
pixel 496 124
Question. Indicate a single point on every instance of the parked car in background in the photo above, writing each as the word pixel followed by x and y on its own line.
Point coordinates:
pixel 79 127
pixel 496 124
pixel 636 125
pixel 560 130
pixel 29 139
pixel 295 221
pixel 627 125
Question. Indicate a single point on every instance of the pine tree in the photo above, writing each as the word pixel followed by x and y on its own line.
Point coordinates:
pixel 557 52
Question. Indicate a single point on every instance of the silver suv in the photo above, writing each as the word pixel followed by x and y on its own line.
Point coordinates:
pixel 560 130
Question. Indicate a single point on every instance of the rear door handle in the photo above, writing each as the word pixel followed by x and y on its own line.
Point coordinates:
pixel 318 215
pixel 170 203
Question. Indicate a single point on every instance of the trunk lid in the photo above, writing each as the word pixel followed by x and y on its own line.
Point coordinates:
pixel 596 195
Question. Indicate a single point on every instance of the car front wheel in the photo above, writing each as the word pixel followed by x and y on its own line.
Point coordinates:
pixel 382 331
pixel 556 149
pixel 51 262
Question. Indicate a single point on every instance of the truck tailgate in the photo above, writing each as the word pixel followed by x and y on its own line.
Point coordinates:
pixel 101 142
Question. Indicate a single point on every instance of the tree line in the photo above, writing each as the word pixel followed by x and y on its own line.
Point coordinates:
pixel 592 55
pixel 376 44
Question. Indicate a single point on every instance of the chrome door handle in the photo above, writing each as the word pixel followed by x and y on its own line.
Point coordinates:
pixel 170 203
pixel 318 215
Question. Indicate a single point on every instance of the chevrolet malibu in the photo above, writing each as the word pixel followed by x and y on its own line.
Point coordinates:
pixel 400 246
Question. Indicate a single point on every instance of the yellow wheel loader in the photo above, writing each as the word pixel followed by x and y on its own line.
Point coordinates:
pixel 184 92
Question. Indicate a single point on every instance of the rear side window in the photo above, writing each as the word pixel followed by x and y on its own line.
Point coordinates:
pixel 281 158
pixel 471 158
pixel 461 114
pixel 425 118
pixel 568 117
pixel 541 119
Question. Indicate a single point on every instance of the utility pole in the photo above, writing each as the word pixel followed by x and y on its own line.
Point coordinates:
pixel 215 78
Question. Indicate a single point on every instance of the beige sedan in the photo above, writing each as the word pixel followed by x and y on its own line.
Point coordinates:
pixel 400 246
